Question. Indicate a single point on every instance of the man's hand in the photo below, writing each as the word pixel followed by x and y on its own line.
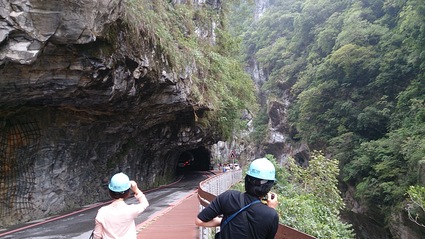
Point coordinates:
pixel 272 200
pixel 133 186
pixel 138 193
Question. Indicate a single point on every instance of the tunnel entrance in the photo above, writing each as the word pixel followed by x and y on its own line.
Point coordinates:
pixel 194 160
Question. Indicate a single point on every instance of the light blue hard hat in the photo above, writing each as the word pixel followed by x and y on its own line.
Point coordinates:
pixel 262 168
pixel 119 183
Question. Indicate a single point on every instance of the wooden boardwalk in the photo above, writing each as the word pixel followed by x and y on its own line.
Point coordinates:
pixel 177 221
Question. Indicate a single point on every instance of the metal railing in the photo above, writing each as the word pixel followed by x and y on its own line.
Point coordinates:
pixel 208 189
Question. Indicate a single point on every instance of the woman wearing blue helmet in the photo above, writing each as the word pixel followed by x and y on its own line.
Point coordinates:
pixel 116 220
pixel 244 217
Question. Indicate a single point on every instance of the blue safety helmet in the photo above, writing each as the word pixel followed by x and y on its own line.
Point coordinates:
pixel 119 183
pixel 263 169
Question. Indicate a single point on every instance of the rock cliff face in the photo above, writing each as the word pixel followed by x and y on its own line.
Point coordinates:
pixel 79 102
pixel 279 140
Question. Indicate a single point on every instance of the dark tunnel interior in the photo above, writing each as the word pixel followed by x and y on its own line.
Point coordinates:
pixel 194 160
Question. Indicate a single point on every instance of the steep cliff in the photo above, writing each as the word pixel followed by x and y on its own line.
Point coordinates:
pixel 89 88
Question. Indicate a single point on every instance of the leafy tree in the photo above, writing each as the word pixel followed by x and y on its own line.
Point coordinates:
pixel 309 198
pixel 416 205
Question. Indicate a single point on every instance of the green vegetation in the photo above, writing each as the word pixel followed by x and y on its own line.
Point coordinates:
pixel 309 198
pixel 260 124
pixel 182 36
pixel 356 72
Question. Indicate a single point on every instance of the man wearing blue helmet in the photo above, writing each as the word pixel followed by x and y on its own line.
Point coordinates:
pixel 244 217
pixel 116 220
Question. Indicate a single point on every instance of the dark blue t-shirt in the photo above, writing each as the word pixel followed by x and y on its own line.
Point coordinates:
pixel 262 221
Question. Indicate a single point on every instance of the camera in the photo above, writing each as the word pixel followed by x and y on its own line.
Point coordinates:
pixel 266 197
